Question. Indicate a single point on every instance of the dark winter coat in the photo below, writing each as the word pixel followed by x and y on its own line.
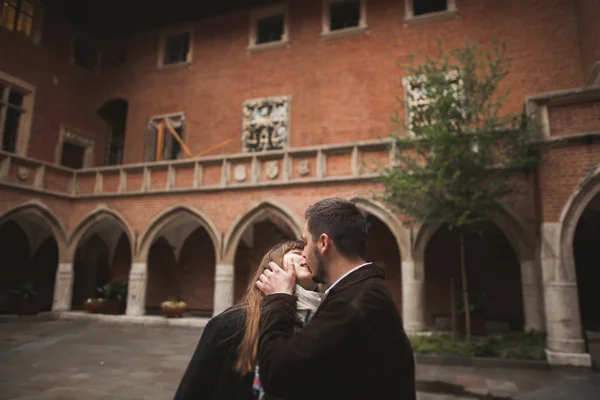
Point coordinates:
pixel 354 347
pixel 210 373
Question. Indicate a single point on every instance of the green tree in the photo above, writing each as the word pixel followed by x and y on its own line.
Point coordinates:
pixel 459 151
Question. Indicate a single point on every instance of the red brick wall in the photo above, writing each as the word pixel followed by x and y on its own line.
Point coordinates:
pixel 72 101
pixel 492 268
pixel 561 172
pixel 382 247
pixel 588 15
pixel 343 89
pixel 197 271
pixel 575 119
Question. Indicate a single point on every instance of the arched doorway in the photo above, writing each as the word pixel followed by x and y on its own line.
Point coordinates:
pixel 493 273
pixel 586 252
pixel 181 262
pixel 102 254
pixel 114 113
pixel 30 254
pixel 382 246
pixel 256 240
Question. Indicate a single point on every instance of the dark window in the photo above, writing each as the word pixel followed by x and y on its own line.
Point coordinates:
pixel 421 7
pixel 171 148
pixel 11 129
pixel 344 14
pixel 120 57
pixel 13 102
pixel 84 54
pixel 72 155
pixel 17 15
pixel 270 29
pixel 177 48
pixel 15 98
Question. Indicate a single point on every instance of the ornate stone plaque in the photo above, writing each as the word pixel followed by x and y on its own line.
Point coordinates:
pixel 272 169
pixel 266 124
pixel 304 168
pixel 239 173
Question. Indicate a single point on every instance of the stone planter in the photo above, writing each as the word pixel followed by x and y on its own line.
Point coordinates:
pixel 173 312
pixel 112 307
pixel 94 307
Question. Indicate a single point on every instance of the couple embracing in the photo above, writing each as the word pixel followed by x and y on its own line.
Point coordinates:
pixel 316 322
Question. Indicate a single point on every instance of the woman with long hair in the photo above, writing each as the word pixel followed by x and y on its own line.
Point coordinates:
pixel 224 363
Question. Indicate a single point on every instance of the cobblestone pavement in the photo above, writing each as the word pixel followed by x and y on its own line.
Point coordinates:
pixel 48 359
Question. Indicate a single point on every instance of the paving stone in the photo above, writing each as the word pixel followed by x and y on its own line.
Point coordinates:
pixel 505 386
pixel 83 359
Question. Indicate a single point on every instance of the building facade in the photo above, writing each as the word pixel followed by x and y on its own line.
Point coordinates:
pixel 173 157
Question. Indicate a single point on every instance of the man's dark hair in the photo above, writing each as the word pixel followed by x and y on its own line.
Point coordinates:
pixel 343 222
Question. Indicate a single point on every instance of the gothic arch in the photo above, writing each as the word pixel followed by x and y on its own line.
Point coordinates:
pixel 515 230
pixel 93 220
pixel 42 213
pixel 169 216
pixel 264 208
pixel 377 209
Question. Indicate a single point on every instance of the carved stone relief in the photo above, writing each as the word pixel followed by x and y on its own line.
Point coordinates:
pixel 304 168
pixel 266 124
pixel 272 169
pixel 239 173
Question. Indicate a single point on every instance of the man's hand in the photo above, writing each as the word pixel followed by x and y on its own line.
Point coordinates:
pixel 277 280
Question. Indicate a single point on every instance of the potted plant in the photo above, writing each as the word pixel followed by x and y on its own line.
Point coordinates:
pixel 115 295
pixel 478 307
pixel 25 299
pixel 94 305
pixel 173 308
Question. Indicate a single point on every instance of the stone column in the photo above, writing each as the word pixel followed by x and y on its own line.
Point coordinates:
pixel 63 287
pixel 224 274
pixel 565 343
pixel 533 303
pixel 413 296
pixel 136 292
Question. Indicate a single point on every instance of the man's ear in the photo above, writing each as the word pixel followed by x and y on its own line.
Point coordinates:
pixel 325 243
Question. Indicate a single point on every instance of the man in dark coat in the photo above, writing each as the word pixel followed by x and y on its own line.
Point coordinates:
pixel 355 346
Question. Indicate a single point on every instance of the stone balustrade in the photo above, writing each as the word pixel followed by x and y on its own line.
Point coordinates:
pixel 315 164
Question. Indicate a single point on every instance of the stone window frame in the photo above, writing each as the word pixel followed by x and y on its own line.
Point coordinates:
pixel 79 138
pixel 288 141
pixel 327 33
pixel 37 24
pixel 259 13
pixel 24 132
pixel 179 114
pixel 410 19
pixel 92 42
pixel 162 42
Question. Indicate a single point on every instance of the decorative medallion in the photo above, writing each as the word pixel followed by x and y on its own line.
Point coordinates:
pixel 239 173
pixel 266 124
pixel 304 168
pixel 23 173
pixel 272 169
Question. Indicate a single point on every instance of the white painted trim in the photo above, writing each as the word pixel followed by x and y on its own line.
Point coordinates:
pixel 162 40
pixel 259 13
pixel 411 19
pixel 24 133
pixel 327 33
pixel 76 137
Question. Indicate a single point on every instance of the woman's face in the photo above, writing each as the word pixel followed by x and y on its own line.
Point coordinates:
pixel 295 259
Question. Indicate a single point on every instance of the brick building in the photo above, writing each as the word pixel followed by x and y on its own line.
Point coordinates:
pixel 281 104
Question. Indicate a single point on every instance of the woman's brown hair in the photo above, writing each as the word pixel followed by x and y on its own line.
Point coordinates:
pixel 247 350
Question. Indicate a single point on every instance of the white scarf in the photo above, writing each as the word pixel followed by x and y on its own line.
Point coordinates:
pixel 307 303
